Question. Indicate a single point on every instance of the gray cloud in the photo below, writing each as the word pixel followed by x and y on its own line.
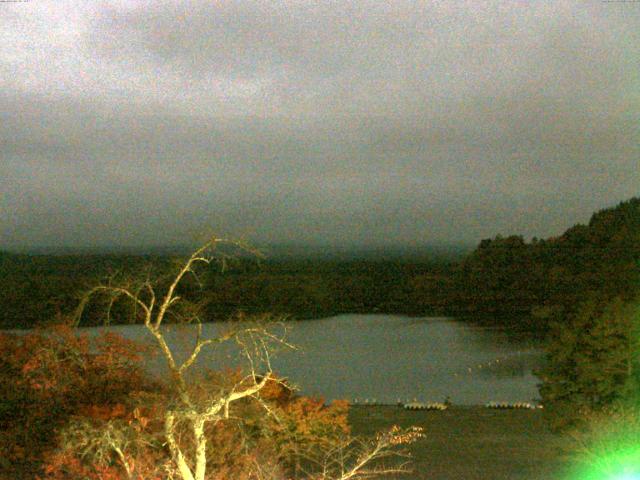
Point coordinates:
pixel 345 122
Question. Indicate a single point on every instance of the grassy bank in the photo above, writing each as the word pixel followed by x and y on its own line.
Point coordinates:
pixel 472 443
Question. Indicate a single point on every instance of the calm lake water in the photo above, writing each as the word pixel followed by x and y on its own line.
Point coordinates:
pixel 386 357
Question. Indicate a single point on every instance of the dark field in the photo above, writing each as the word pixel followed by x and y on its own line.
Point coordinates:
pixel 472 443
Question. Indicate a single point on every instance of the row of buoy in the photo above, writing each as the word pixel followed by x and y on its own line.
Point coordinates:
pixel 425 406
pixel 507 405
pixel 366 401
pixel 416 405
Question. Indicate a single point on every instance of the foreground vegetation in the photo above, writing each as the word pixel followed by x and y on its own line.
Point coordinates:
pixel 75 409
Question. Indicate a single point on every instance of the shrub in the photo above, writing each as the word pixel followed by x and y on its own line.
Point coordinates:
pixel 49 376
pixel 592 361
pixel 90 412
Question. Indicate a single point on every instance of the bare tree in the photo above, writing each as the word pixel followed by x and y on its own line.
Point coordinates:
pixel 256 342
pixel 355 458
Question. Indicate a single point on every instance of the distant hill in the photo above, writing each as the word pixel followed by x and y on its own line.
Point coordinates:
pixel 58 251
pixel 432 252
pixel 504 280
pixel 307 282
pixel 426 252
pixel 507 275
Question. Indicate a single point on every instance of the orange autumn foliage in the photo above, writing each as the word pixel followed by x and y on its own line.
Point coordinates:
pixel 64 397
pixel 49 375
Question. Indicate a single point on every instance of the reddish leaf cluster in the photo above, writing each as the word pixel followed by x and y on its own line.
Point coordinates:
pixel 72 409
pixel 50 375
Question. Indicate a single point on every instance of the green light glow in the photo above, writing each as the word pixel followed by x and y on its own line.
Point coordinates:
pixel 610 447
pixel 605 463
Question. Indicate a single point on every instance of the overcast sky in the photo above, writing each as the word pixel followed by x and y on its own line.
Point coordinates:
pixel 137 122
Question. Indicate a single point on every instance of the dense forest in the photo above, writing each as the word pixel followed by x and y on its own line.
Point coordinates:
pixel 546 279
pixel 36 288
pixel 505 280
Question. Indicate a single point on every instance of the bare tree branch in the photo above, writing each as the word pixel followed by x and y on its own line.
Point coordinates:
pixel 189 413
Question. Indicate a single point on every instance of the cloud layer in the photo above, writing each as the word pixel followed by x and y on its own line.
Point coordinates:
pixel 363 122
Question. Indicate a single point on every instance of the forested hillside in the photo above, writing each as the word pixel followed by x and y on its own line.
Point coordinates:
pixel 543 278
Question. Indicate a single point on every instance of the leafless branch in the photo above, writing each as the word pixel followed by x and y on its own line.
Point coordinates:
pixel 351 459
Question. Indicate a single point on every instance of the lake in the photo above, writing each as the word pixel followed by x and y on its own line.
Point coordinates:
pixel 386 358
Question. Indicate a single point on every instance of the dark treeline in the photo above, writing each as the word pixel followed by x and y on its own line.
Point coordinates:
pixel 505 280
pixel 43 287
pixel 38 289
pixel 546 280
pixel 314 288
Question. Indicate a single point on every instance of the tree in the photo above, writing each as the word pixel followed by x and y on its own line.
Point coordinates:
pixel 195 411
pixel 48 377
pixel 592 360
